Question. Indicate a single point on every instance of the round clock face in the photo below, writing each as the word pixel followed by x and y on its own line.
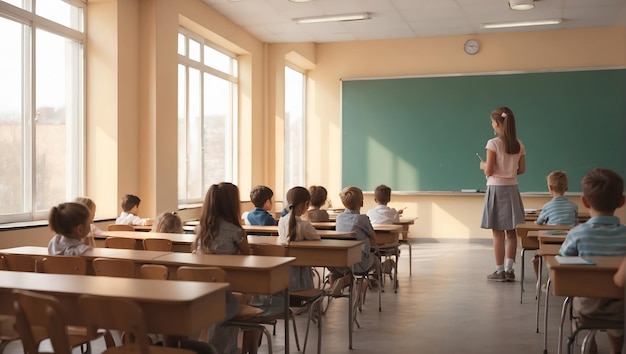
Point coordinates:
pixel 471 46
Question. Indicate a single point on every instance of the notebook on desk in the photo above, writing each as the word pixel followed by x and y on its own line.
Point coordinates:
pixel 573 260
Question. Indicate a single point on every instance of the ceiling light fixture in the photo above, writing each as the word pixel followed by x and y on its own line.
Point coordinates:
pixel 300 0
pixel 334 18
pixel 521 4
pixel 492 25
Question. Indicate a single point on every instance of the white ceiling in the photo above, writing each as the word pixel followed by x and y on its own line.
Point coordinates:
pixel 271 20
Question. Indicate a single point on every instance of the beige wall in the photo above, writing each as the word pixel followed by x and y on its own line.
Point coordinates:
pixel 132 108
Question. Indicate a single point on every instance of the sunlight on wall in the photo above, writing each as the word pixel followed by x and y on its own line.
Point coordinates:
pixel 378 159
pixel 446 222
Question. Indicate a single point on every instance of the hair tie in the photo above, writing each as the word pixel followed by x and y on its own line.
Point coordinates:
pixel 290 207
pixel 503 114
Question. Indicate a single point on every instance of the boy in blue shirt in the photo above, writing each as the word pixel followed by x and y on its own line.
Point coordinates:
pixel 601 235
pixel 261 197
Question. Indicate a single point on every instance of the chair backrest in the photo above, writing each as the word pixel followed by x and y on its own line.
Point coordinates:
pixel 154 271
pixel 120 227
pixel 3 263
pixel 120 242
pixel 22 262
pixel 110 267
pixel 33 310
pixel 64 265
pixel 157 244
pixel 206 274
pixel 115 313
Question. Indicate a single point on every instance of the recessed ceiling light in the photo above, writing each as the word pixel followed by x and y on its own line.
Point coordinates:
pixel 521 4
pixel 300 0
pixel 554 21
pixel 333 18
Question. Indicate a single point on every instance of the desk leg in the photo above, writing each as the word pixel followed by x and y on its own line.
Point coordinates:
pixel 538 291
pixel 563 312
pixel 395 270
pixel 286 320
pixel 545 319
pixel 350 314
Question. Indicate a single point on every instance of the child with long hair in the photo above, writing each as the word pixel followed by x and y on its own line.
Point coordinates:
pixel 168 222
pixel 220 232
pixel 291 228
pixel 503 208
pixel 70 223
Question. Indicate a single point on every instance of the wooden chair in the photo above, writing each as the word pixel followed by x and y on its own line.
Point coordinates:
pixel 3 263
pixel 39 316
pixel 120 227
pixel 64 265
pixel 120 242
pixel 110 267
pixel 21 262
pixel 244 318
pixel 306 300
pixel 157 244
pixel 124 315
pixel 154 271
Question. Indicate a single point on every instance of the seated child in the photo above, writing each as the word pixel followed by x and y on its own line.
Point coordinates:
pixel 559 210
pixel 168 222
pixel 70 223
pixel 352 220
pixel 261 197
pixel 94 230
pixel 130 206
pixel 318 198
pixel 382 214
pixel 601 235
pixel 291 228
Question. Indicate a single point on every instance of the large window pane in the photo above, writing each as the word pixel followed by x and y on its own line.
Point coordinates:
pixel 61 12
pixel 207 101
pixel 294 128
pixel 12 59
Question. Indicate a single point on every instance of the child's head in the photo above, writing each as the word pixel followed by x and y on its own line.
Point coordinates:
pixel 299 198
pixel 261 197
pixel 557 182
pixel 70 220
pixel 603 190
pixel 89 204
pixel 382 194
pixel 222 202
pixel 503 123
pixel 318 196
pixel 352 198
pixel 130 203
pixel 168 222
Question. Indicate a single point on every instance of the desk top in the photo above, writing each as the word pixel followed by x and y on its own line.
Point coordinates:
pixel 551 237
pixel 585 280
pixel 134 255
pixel 248 262
pixel 170 307
pixel 321 244
pixel 176 238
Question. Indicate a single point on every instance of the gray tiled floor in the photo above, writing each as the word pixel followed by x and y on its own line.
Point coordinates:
pixel 447 306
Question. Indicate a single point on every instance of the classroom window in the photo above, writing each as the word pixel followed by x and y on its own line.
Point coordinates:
pixel 42 114
pixel 294 128
pixel 207 116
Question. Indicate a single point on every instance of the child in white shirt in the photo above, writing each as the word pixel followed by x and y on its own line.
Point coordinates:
pixel 382 214
pixel 130 206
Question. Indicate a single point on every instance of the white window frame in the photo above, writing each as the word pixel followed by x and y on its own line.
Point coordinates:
pixel 231 148
pixel 75 158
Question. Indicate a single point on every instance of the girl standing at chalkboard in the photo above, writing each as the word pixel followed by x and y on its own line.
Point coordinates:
pixel 503 208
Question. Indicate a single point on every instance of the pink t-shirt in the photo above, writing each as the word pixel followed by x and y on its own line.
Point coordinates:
pixel 505 171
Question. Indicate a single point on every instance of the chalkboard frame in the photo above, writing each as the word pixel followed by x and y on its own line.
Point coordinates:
pixel 582 126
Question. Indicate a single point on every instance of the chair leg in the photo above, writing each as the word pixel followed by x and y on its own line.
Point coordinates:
pixel 295 330
pixel 314 310
pixel 521 292
pixel 589 338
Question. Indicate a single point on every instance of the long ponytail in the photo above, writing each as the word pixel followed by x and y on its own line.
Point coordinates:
pixel 297 196
pixel 505 117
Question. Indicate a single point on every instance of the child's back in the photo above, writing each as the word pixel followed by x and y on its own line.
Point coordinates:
pixel 70 222
pixel 261 197
pixel 382 214
pixel 318 198
pixel 352 220
pixel 559 210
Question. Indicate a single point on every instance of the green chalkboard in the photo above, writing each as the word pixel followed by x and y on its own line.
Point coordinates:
pixel 421 134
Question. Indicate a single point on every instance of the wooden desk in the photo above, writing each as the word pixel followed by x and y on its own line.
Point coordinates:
pixel 405 221
pixel 322 253
pixel 532 216
pixel 324 225
pixel 176 308
pixel 180 242
pixel 594 280
pixel 551 237
pixel 268 230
